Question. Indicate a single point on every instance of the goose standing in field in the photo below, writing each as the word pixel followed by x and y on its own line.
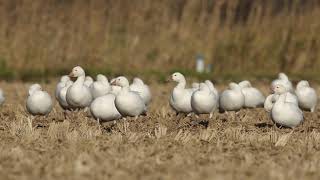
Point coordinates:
pixel 180 99
pixel 143 90
pixel 128 103
pixel 39 102
pixel 100 87
pixel 204 101
pixel 285 113
pixel 61 84
pixel 283 80
pixel 103 108
pixel 88 81
pixel 114 89
pixel 307 96
pixel 62 96
pixel 78 94
pixel 252 97
pixel 232 99
pixel 2 98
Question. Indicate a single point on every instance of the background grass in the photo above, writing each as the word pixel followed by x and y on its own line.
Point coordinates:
pixel 238 37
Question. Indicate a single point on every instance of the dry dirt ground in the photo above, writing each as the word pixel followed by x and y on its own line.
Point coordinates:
pixel 159 146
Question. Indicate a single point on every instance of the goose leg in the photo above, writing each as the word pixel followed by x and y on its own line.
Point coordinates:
pixel 189 114
pixel 210 115
pixel 313 109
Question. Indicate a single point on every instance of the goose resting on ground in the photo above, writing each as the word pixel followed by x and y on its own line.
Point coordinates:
pixel 252 97
pixel 285 113
pixel 128 103
pixel 232 99
pixel 103 108
pixel 204 101
pixel 39 102
pixel 307 96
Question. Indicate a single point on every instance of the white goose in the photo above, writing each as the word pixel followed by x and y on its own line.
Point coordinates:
pixel 232 99
pixel 180 99
pixel 88 81
pixel 143 90
pixel 78 95
pixel 307 96
pixel 283 80
pixel 103 108
pixel 61 84
pixel 128 103
pixel 204 101
pixel 100 87
pixel 285 113
pixel 252 96
pixel 39 102
pixel 62 96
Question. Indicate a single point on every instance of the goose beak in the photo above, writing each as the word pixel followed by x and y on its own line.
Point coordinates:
pixel 271 90
pixel 113 83
pixel 71 75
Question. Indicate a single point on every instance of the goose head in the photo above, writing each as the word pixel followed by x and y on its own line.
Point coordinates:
pixel 34 88
pixel 101 78
pixel 234 86
pixel 121 81
pixel 283 76
pixel 137 81
pixel 77 72
pixel 177 77
pixel 204 87
pixel 89 79
pixel 245 84
pixel 279 89
pixel 303 84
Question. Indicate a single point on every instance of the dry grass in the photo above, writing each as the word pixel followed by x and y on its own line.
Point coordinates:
pixel 236 36
pixel 159 146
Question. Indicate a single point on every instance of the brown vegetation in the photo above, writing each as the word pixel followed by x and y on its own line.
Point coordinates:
pixel 159 146
pixel 236 36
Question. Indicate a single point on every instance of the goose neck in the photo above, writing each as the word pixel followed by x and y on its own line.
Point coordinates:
pixel 80 80
pixel 181 84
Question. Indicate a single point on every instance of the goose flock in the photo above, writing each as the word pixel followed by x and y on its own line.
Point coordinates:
pixel 117 98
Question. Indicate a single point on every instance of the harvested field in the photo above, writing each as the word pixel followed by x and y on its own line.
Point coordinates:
pixel 161 145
